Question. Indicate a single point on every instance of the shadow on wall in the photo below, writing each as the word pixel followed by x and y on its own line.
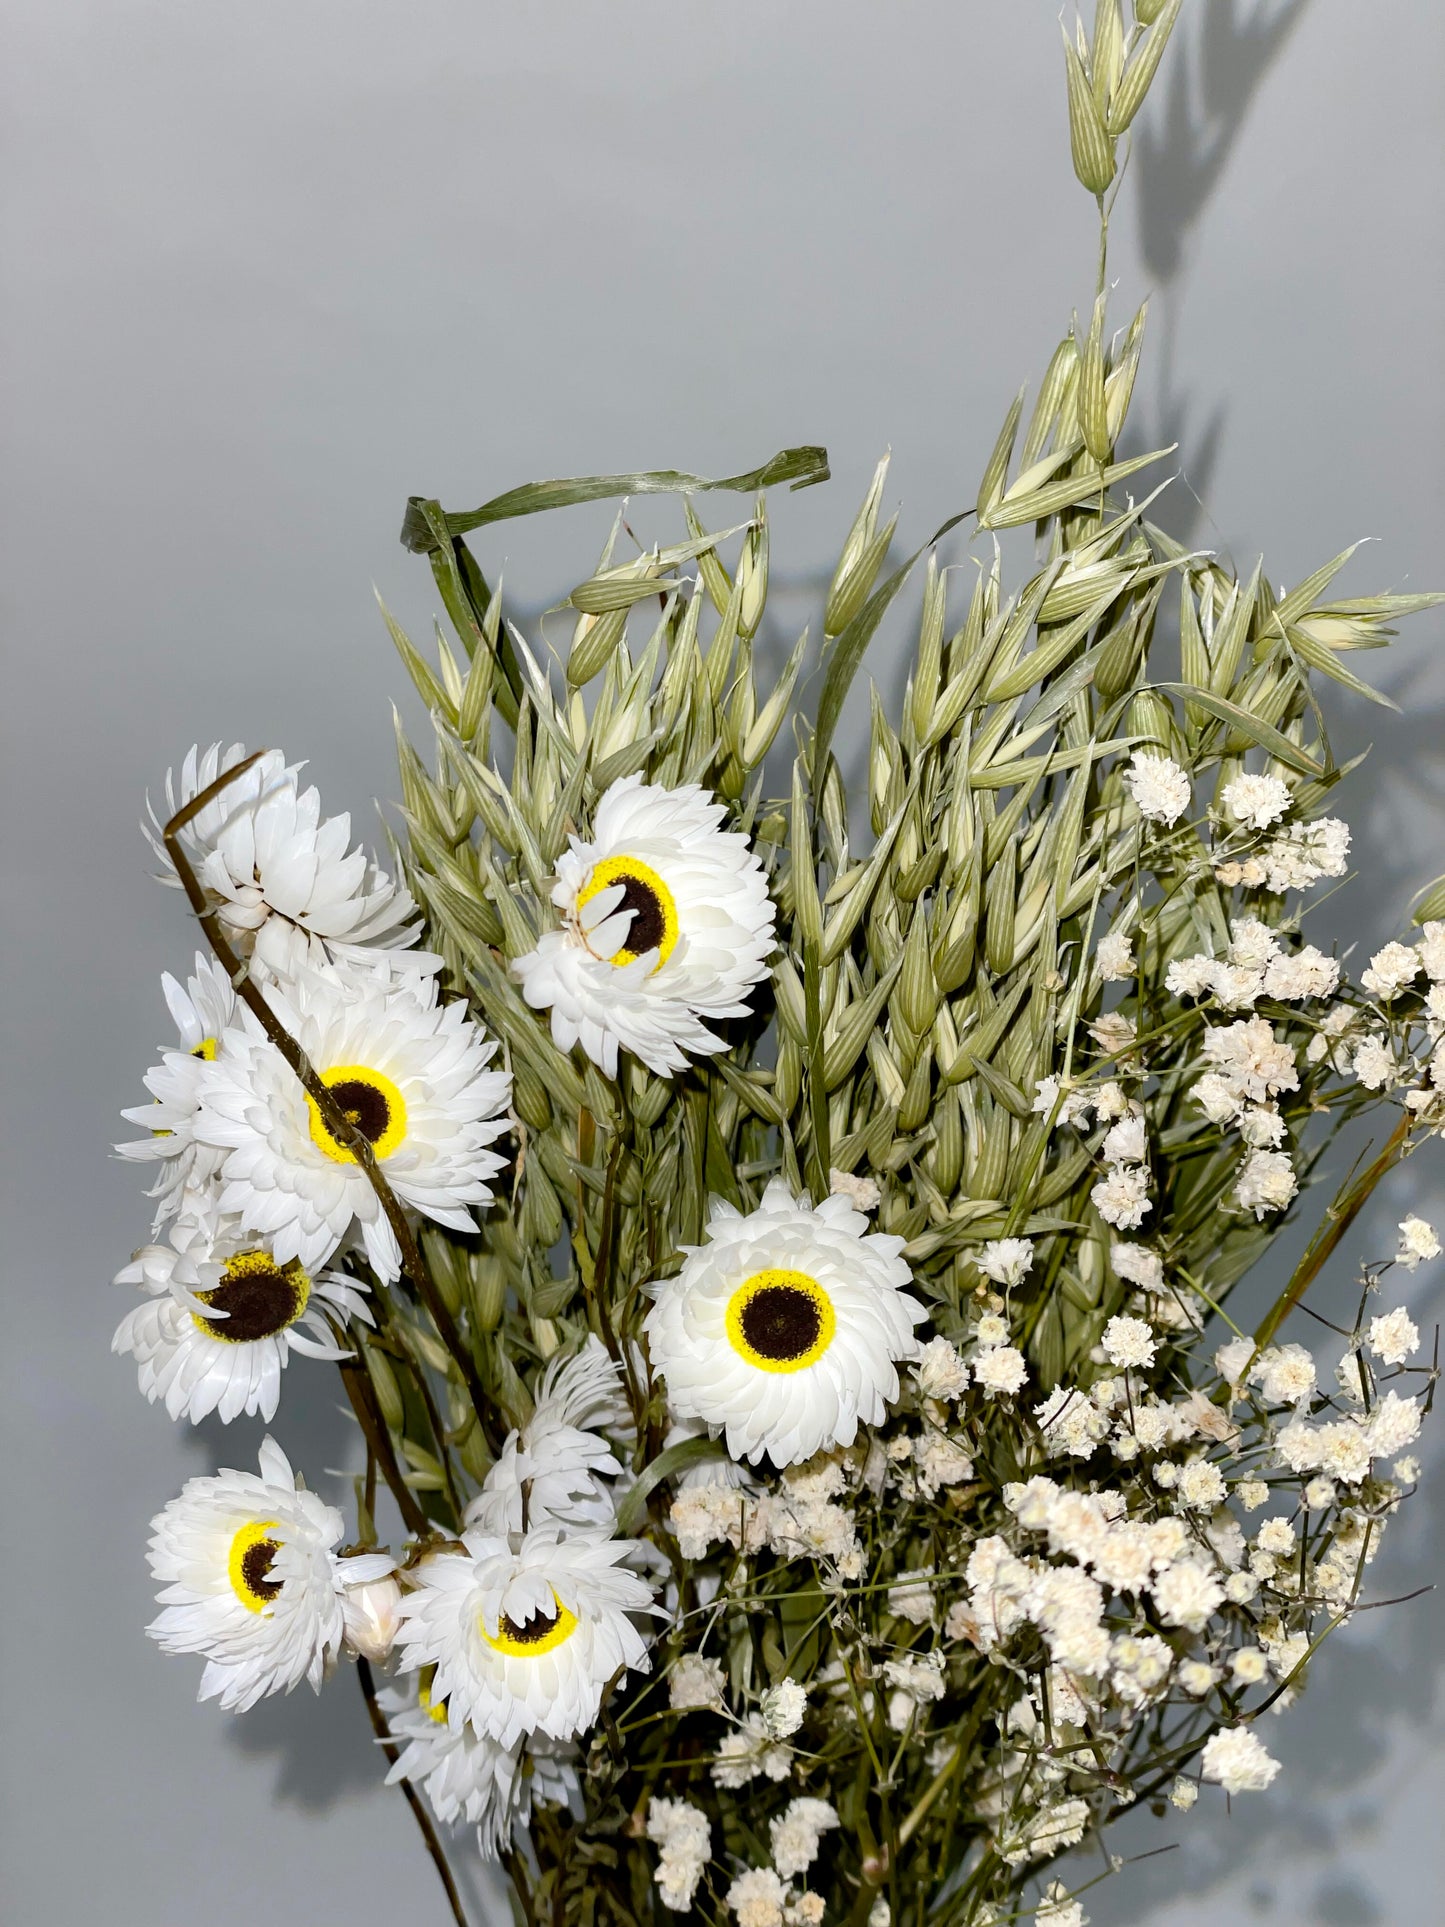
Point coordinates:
pixel 1217 64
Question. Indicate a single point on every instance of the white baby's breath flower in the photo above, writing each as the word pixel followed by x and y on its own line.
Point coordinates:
pixel 1160 788
pixel 1256 801
pixel 1300 974
pixel 696 1682
pixel 1391 970
pixel 1057 1909
pixel 1126 1142
pixel 1115 957
pixel 1187 1595
pixel 1137 1265
pixel 1252 1494
pixel 1418 1242
pixel 1394 1336
pixel 1183 1795
pixel 1128 1342
pixel 797 1833
pixel 1375 1064
pixel 940 1373
pixel 1006 1260
pixel 1000 1370
pixel 1236 1760
pixel 1121 1197
pixel 683 1836
pixel 783 1707
pixel 1302 855
pixel 1285 1374
pixel 862 1193
pixel 1267 1182
pixel 756 1898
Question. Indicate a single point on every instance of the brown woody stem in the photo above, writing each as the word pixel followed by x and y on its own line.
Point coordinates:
pixel 337 1123
pixel 413 1799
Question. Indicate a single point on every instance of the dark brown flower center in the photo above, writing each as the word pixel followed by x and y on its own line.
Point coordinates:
pixel 531 1631
pixel 364 1106
pixel 256 1562
pixel 781 1322
pixel 649 920
pixel 258 1296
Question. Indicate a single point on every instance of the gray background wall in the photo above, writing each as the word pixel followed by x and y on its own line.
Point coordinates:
pixel 269 269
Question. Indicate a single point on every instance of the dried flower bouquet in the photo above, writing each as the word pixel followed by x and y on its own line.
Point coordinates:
pixel 781 1271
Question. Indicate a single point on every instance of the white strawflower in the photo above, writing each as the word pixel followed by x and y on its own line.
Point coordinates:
pixel 1001 1369
pixel 862 1193
pixel 683 1836
pixel 221 1319
pixel 1121 1197
pixel 557 1469
pixel 524 1640
pixel 797 1834
pixel 409 1072
pixel 492 1787
pixel 1235 1760
pixel 1128 1342
pixel 784 1328
pixel 1256 801
pixel 1417 1243
pixel 666 926
pixel 1266 1182
pixel 940 1372
pixel 756 1898
pixel 1391 970
pixel 696 1682
pixel 1394 1336
pixel 1006 1260
pixel 1115 957
pixel 284 885
pixel 250 1580
pixel 1159 787
pixel 204 1012
pixel 783 1708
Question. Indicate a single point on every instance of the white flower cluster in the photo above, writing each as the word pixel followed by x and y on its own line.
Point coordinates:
pixel 256 1191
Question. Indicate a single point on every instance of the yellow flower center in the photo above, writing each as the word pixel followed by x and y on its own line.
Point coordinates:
pixel 435 1710
pixel 260 1298
pixel 206 1049
pixel 252 1552
pixel 654 913
pixel 542 1633
pixel 780 1321
pixel 369 1101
